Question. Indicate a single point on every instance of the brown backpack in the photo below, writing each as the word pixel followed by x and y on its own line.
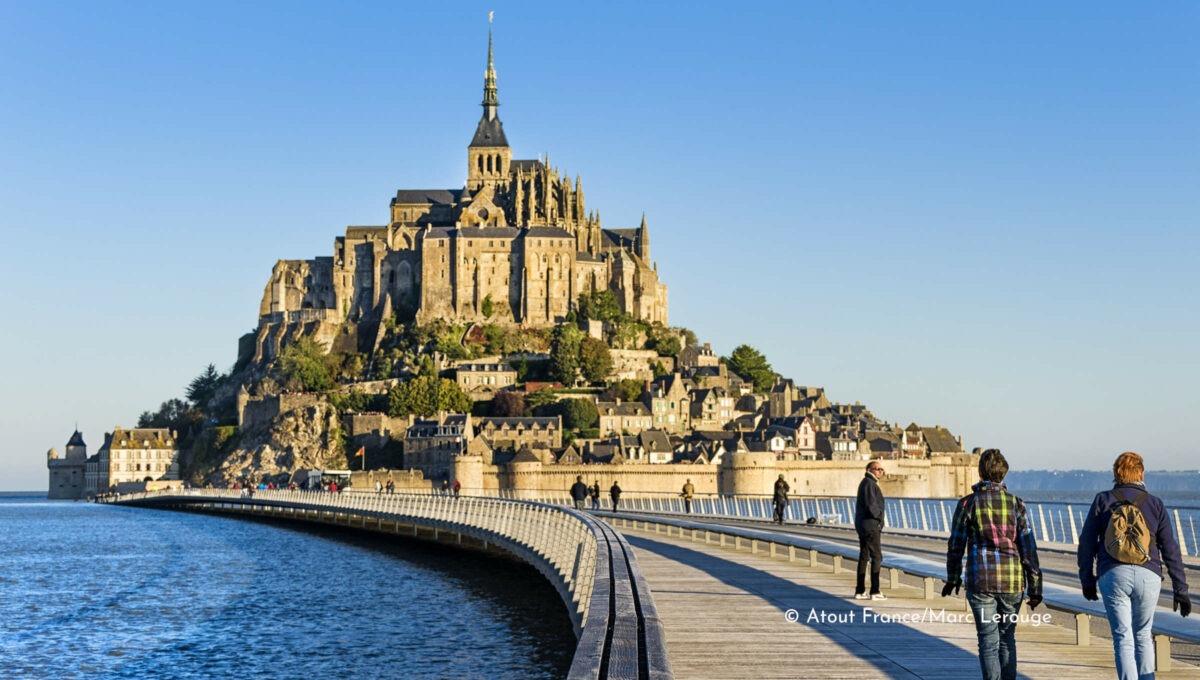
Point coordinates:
pixel 1127 538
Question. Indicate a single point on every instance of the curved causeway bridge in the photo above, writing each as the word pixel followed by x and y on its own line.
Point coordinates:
pixel 702 597
pixel 590 564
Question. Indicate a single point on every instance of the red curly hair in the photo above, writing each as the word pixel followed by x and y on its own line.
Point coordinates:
pixel 1128 468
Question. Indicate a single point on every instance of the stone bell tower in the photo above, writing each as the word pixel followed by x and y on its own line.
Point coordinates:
pixel 488 157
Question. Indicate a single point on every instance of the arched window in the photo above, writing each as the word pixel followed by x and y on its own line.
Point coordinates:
pixel 479 160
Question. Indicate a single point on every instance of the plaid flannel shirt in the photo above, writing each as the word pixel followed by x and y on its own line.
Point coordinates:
pixel 991 527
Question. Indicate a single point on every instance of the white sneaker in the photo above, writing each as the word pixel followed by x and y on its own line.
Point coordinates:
pixel 878 597
pixel 861 596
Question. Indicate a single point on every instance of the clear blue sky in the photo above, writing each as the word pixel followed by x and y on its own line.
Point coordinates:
pixel 984 218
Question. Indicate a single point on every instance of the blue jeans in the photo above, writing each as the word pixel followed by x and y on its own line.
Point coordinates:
pixel 1130 594
pixel 995 617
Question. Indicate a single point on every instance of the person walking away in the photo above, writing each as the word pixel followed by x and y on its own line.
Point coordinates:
pixel 688 492
pixel 378 487
pixel 595 494
pixel 445 487
pixel 991 526
pixel 614 493
pixel 781 499
pixel 1126 539
pixel 869 511
pixel 457 487
pixel 391 487
pixel 579 491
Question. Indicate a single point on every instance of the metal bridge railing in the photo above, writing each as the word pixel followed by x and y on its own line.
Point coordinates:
pixel 590 564
pixel 1052 521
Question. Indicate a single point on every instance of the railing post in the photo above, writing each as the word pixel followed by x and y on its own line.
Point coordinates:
pixel 1162 652
pixel 1179 530
pixel 1083 629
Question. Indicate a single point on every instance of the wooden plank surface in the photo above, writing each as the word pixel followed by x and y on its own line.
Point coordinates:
pixel 724 614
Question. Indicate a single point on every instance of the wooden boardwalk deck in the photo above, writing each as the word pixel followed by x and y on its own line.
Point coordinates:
pixel 724 614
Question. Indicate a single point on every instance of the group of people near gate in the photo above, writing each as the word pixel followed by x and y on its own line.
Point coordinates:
pixel 1126 540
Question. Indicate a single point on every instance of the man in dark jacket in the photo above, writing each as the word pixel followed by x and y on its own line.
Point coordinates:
pixel 1131 591
pixel 781 499
pixel 579 492
pixel 868 522
pixel 614 492
pixel 991 527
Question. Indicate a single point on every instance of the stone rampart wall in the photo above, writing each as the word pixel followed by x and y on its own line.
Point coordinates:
pixel 752 475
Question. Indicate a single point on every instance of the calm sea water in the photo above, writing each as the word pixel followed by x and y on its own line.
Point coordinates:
pixel 105 592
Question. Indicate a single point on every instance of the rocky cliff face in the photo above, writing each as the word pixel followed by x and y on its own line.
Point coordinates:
pixel 307 437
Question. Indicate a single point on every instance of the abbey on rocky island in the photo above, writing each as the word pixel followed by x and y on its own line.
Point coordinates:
pixel 514 246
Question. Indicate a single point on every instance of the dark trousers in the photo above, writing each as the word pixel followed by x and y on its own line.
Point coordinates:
pixel 780 510
pixel 869 548
pixel 615 500
pixel 687 505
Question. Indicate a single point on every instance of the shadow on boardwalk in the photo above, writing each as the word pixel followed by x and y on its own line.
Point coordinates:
pixel 832 639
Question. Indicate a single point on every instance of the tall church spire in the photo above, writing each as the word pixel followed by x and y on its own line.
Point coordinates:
pixel 490 101
pixel 489 157
pixel 490 131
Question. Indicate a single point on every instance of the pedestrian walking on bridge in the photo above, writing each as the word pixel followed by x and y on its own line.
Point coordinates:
pixel 991 526
pixel 579 492
pixel 615 494
pixel 1127 537
pixel 780 497
pixel 688 492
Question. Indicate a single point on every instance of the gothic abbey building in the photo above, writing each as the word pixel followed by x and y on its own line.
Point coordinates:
pixel 516 246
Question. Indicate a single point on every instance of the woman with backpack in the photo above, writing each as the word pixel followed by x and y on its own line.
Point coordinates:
pixel 1126 538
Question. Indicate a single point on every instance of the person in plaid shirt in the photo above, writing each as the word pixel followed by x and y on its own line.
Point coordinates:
pixel 1002 564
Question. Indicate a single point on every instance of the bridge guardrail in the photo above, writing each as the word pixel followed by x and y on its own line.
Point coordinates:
pixel 591 564
pixel 1052 521
pixel 1168 625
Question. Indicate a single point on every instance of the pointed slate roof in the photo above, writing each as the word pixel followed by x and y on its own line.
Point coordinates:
pixel 489 133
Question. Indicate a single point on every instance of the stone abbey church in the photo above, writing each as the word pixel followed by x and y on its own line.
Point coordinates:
pixel 516 245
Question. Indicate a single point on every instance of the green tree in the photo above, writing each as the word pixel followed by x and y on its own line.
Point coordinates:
pixel 626 389
pixel 751 365
pixel 204 386
pixel 540 398
pixel 600 305
pixel 426 395
pixel 486 307
pixel 305 366
pixel 664 341
pixel 357 401
pixel 689 337
pixel 564 353
pixel 175 415
pixel 449 343
pixel 579 414
pixel 595 361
